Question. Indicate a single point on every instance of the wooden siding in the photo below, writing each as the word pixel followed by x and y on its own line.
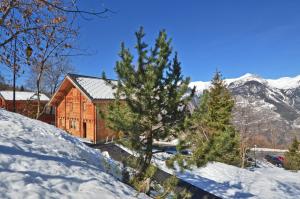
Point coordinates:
pixel 76 113
pixel 102 131
pixel 2 103
pixel 27 108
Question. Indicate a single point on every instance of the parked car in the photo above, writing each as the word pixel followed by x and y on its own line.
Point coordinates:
pixel 274 160
pixel 281 158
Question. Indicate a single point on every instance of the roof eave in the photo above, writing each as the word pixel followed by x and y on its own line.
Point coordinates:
pixel 74 83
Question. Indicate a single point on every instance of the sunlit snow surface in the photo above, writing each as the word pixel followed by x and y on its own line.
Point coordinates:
pixel 232 182
pixel 227 181
pixel 38 160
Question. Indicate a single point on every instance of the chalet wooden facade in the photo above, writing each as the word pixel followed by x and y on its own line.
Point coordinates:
pixel 26 104
pixel 79 102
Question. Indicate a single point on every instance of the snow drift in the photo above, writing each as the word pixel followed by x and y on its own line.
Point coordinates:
pixel 38 160
pixel 226 181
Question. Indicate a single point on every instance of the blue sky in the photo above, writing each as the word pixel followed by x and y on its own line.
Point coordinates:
pixel 237 37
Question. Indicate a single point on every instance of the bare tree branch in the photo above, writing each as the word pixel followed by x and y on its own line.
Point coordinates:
pixel 97 14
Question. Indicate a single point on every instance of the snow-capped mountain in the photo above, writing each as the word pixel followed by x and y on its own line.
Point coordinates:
pixel 269 109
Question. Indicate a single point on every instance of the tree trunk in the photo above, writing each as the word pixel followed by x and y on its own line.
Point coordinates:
pixel 38 84
pixel 243 149
pixel 146 160
pixel 38 98
pixel 14 78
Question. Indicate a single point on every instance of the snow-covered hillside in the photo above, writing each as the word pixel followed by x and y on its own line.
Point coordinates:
pixel 226 181
pixel 38 160
pixel 231 182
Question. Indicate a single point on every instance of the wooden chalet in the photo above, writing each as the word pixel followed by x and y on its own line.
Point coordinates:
pixel 26 104
pixel 79 102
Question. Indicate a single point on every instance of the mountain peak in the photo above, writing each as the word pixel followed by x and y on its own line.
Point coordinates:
pixel 245 78
pixel 248 75
pixel 280 83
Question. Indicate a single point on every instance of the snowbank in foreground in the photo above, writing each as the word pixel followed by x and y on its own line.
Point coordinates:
pixel 38 160
pixel 226 181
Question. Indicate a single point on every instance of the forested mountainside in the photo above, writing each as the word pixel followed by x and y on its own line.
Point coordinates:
pixel 266 110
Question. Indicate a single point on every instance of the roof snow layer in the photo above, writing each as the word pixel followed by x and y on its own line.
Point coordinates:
pixel 23 95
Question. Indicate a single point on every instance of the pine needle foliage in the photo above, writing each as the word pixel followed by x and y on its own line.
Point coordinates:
pixel 212 136
pixel 151 96
pixel 292 157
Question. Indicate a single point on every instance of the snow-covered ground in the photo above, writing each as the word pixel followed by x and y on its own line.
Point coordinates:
pixel 266 182
pixel 38 160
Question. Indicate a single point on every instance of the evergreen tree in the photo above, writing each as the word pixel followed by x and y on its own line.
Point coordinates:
pixel 151 100
pixel 292 157
pixel 213 137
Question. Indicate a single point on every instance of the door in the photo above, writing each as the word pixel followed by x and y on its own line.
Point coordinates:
pixel 84 130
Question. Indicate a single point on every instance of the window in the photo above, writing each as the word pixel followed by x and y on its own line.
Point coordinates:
pixel 72 124
pixel 62 122
pixel 84 106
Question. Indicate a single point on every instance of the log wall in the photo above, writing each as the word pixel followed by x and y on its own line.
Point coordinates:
pixel 27 108
pixel 77 115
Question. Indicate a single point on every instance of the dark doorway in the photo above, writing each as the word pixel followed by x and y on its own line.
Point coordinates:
pixel 84 130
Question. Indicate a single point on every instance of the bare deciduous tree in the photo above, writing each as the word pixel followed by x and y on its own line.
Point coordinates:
pixel 55 70
pixel 53 73
pixel 243 120
pixel 50 43
pixel 20 18
pixel 43 26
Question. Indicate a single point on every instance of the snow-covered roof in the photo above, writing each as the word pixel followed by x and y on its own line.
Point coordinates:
pixel 94 87
pixel 22 95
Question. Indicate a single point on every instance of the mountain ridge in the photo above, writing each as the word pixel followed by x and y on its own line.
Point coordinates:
pixel 279 83
pixel 269 108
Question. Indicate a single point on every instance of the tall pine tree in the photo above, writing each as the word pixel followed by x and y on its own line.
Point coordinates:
pixel 213 136
pixel 151 96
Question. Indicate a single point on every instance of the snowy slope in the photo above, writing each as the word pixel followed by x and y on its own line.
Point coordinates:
pixel 226 181
pixel 38 160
